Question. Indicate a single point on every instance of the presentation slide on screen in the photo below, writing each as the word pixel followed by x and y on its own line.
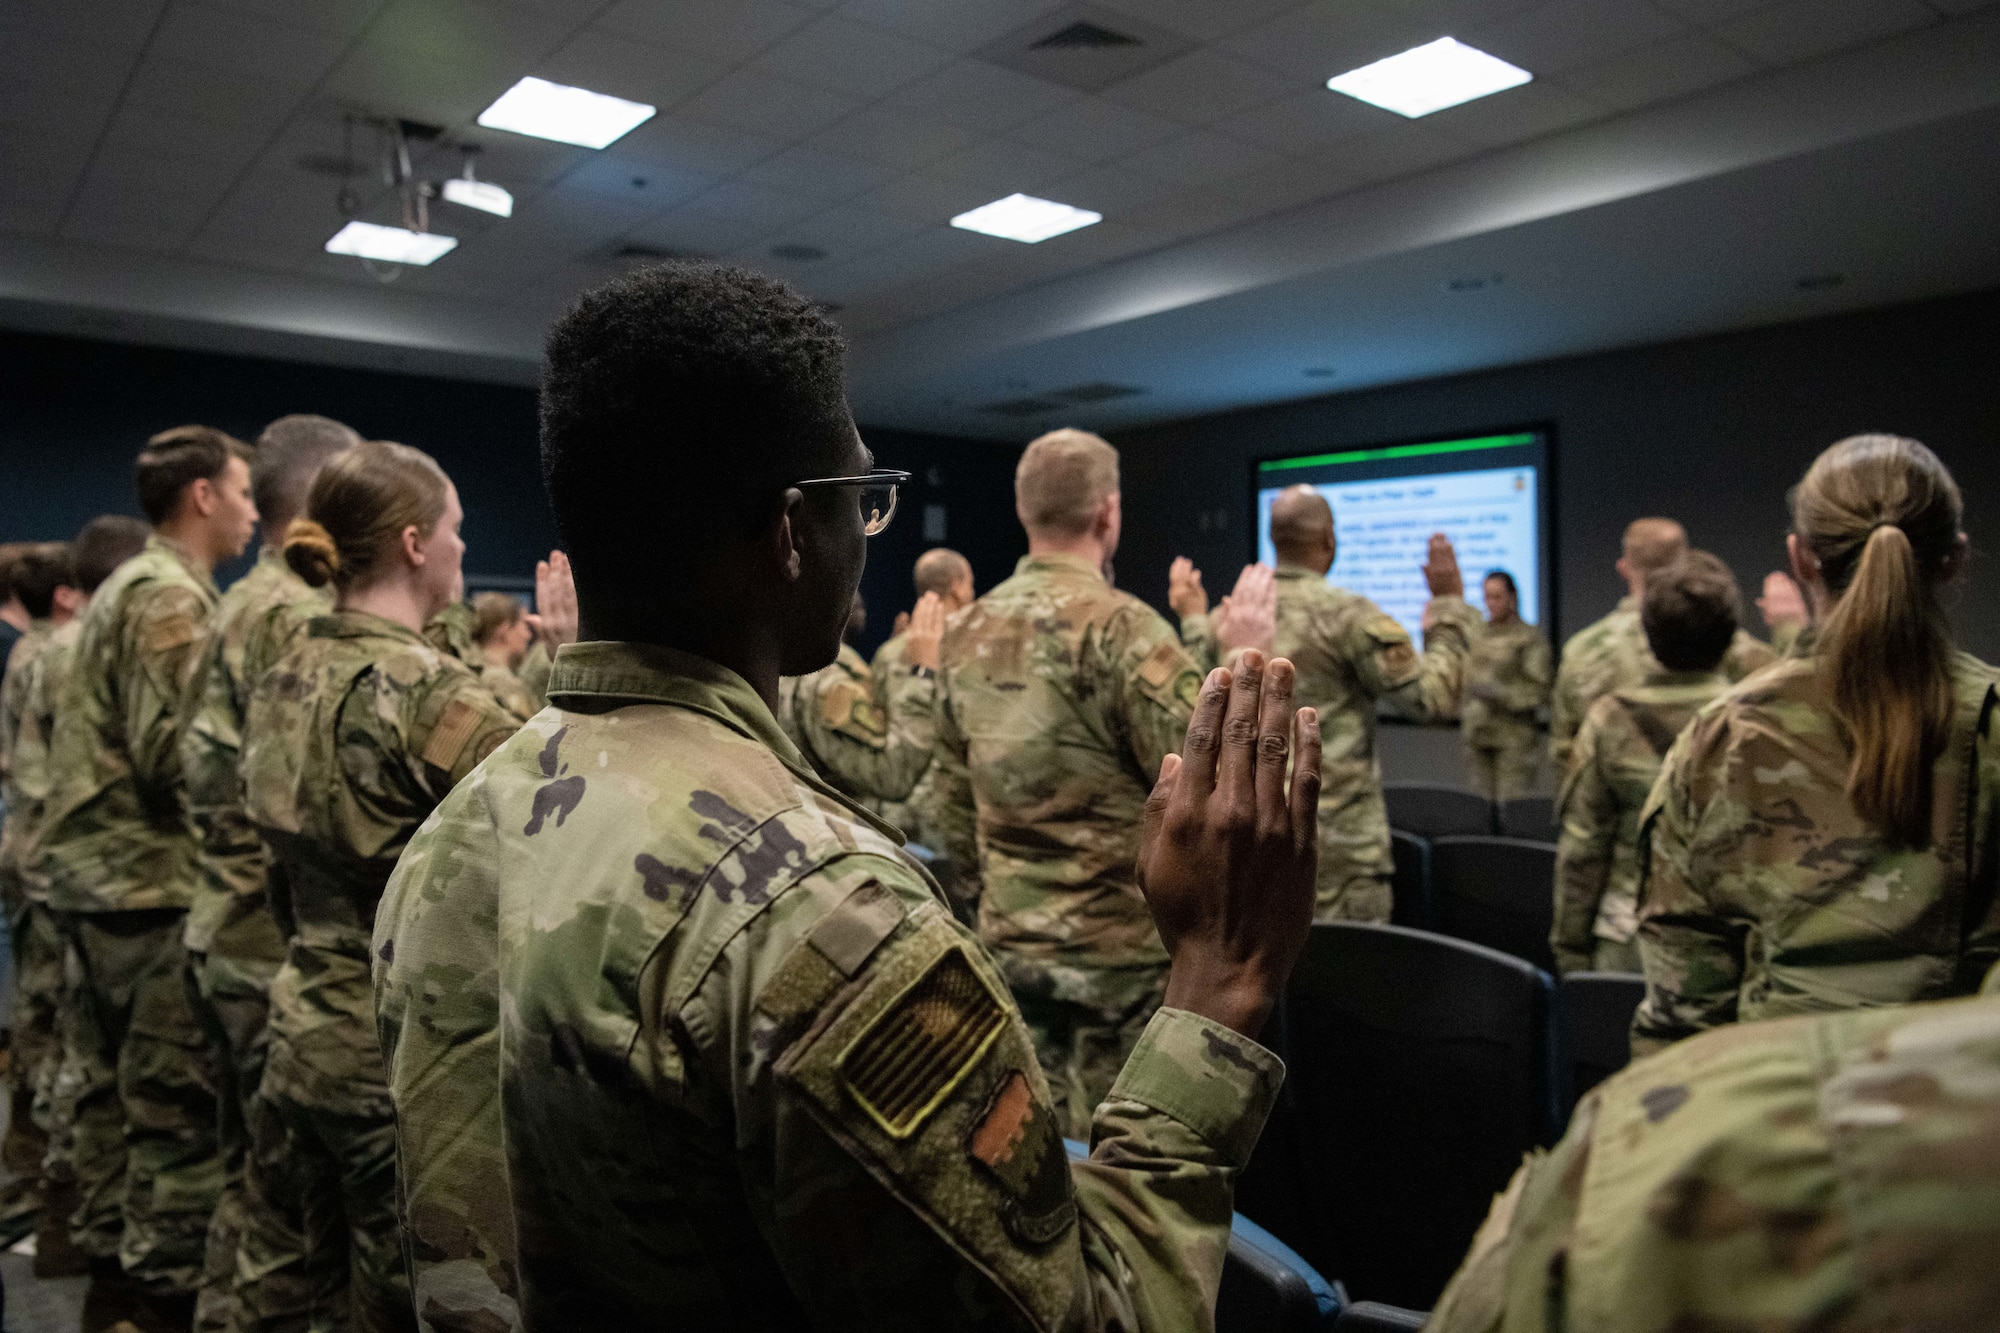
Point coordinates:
pixel 1384 525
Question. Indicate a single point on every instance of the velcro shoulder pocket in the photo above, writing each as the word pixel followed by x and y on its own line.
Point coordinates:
pixel 1168 675
pixel 927 1076
pixel 454 730
pixel 1394 652
pixel 846 708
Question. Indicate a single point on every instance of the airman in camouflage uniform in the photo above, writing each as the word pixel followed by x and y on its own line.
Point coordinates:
pixel 1612 654
pixel 1061 695
pixel 121 861
pixel 352 738
pixel 450 631
pixel 1835 1172
pixel 1763 897
pixel 749 1070
pixel 1506 687
pixel 233 940
pixel 32 1034
pixel 867 748
pixel 1350 654
pixel 947 574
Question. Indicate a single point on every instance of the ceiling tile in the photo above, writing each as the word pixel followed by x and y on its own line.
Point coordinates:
pixel 152 132
pixel 1202 158
pixel 1658 73
pixel 1307 121
pixel 513 160
pixel 1710 12
pixel 1797 30
pixel 393 80
pixel 120 25
pixel 35 113
pixel 1553 37
pixel 984 98
pixel 694 145
pixel 1327 37
pixel 452 30
pixel 281 53
pixel 845 232
pixel 684 232
pixel 952 25
pixel 1195 213
pixel 926 197
pixel 1095 129
pixel 1001 167
pixel 728 30
pixel 226 245
pixel 1515 115
pixel 1204 85
pixel 1203 20
pixel 1400 150
pixel 752 204
pixel 31 215
pixel 1960 6
pixel 1289 184
pixel 1111 189
pixel 633 183
pixel 847 57
pixel 341 18
pixel 748 100
pixel 895 138
pixel 813 174
pixel 232 97
pixel 63 66
pixel 610 62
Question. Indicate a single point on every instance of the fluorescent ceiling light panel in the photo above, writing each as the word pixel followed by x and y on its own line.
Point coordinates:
pixel 393 244
pixel 482 195
pixel 1430 78
pixel 567 115
pixel 1022 217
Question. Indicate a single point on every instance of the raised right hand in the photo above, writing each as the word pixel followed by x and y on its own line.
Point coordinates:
pixel 1230 850
pixel 926 631
pixel 1184 591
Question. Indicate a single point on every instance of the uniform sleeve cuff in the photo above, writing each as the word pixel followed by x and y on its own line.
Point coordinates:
pixel 1218 1083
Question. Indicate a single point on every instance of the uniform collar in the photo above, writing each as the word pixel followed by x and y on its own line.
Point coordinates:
pixel 168 546
pixel 1667 679
pixel 651 673
pixel 1628 605
pixel 360 625
pixel 1285 571
pixel 1053 562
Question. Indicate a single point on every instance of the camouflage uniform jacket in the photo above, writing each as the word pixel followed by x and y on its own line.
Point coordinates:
pixel 254 622
pixel 117 837
pixel 1349 654
pixel 43 685
pixel 679 1038
pixel 450 632
pixel 1763 894
pixel 868 749
pixel 1617 756
pixel 1611 654
pixel 1060 696
pixel 888 665
pixel 1506 685
pixel 351 739
pixel 20 804
pixel 1836 1173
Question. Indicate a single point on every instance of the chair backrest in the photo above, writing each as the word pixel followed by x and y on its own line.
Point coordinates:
pixel 1433 810
pixel 1266 1286
pixel 1421 1068
pixel 1410 886
pixel 1499 892
pixel 1598 1007
pixel 1529 817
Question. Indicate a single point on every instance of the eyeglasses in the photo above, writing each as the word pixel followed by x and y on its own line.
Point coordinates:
pixel 878 494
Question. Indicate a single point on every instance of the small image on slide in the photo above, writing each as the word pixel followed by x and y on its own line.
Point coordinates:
pixel 1486 493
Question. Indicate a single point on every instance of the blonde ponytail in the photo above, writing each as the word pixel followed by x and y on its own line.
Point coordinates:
pixel 1881 514
pixel 310 551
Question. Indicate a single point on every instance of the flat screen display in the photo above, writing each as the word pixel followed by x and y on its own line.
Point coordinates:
pixel 1488 493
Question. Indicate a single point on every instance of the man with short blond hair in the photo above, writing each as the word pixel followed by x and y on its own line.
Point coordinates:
pixel 1059 698
pixel 1612 654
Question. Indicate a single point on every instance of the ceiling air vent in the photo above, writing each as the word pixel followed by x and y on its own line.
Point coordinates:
pixel 634 253
pixel 1084 34
pixel 1020 407
pixel 1097 392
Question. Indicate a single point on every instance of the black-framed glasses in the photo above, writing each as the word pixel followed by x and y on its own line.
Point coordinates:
pixel 877 494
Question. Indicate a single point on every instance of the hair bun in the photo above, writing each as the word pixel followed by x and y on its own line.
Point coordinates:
pixel 310 551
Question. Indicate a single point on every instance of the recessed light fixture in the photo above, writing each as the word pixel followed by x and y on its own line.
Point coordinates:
pixel 1430 78
pixel 1022 217
pixel 482 195
pixel 567 115
pixel 393 245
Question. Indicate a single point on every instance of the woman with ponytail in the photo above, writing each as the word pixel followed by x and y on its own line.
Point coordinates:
pixel 350 740
pixel 1823 836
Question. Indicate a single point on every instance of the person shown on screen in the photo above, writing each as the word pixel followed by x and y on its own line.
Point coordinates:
pixel 1611 653
pixel 1689 613
pixel 1351 653
pixel 1506 688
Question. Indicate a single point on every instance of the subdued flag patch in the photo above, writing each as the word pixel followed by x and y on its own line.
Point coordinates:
pixel 905 1062
pixel 449 737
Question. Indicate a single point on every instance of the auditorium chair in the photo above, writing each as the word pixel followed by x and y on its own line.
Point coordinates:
pixel 1420 1069
pixel 1499 892
pixel 1410 885
pixel 1599 1007
pixel 1529 817
pixel 1433 810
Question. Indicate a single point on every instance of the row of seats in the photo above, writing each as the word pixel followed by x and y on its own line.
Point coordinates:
pixel 1436 810
pixel 1420 1069
pixel 1499 892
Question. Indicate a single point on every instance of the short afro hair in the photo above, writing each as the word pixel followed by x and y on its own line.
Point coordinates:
pixel 176 459
pixel 1690 612
pixel 677 402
